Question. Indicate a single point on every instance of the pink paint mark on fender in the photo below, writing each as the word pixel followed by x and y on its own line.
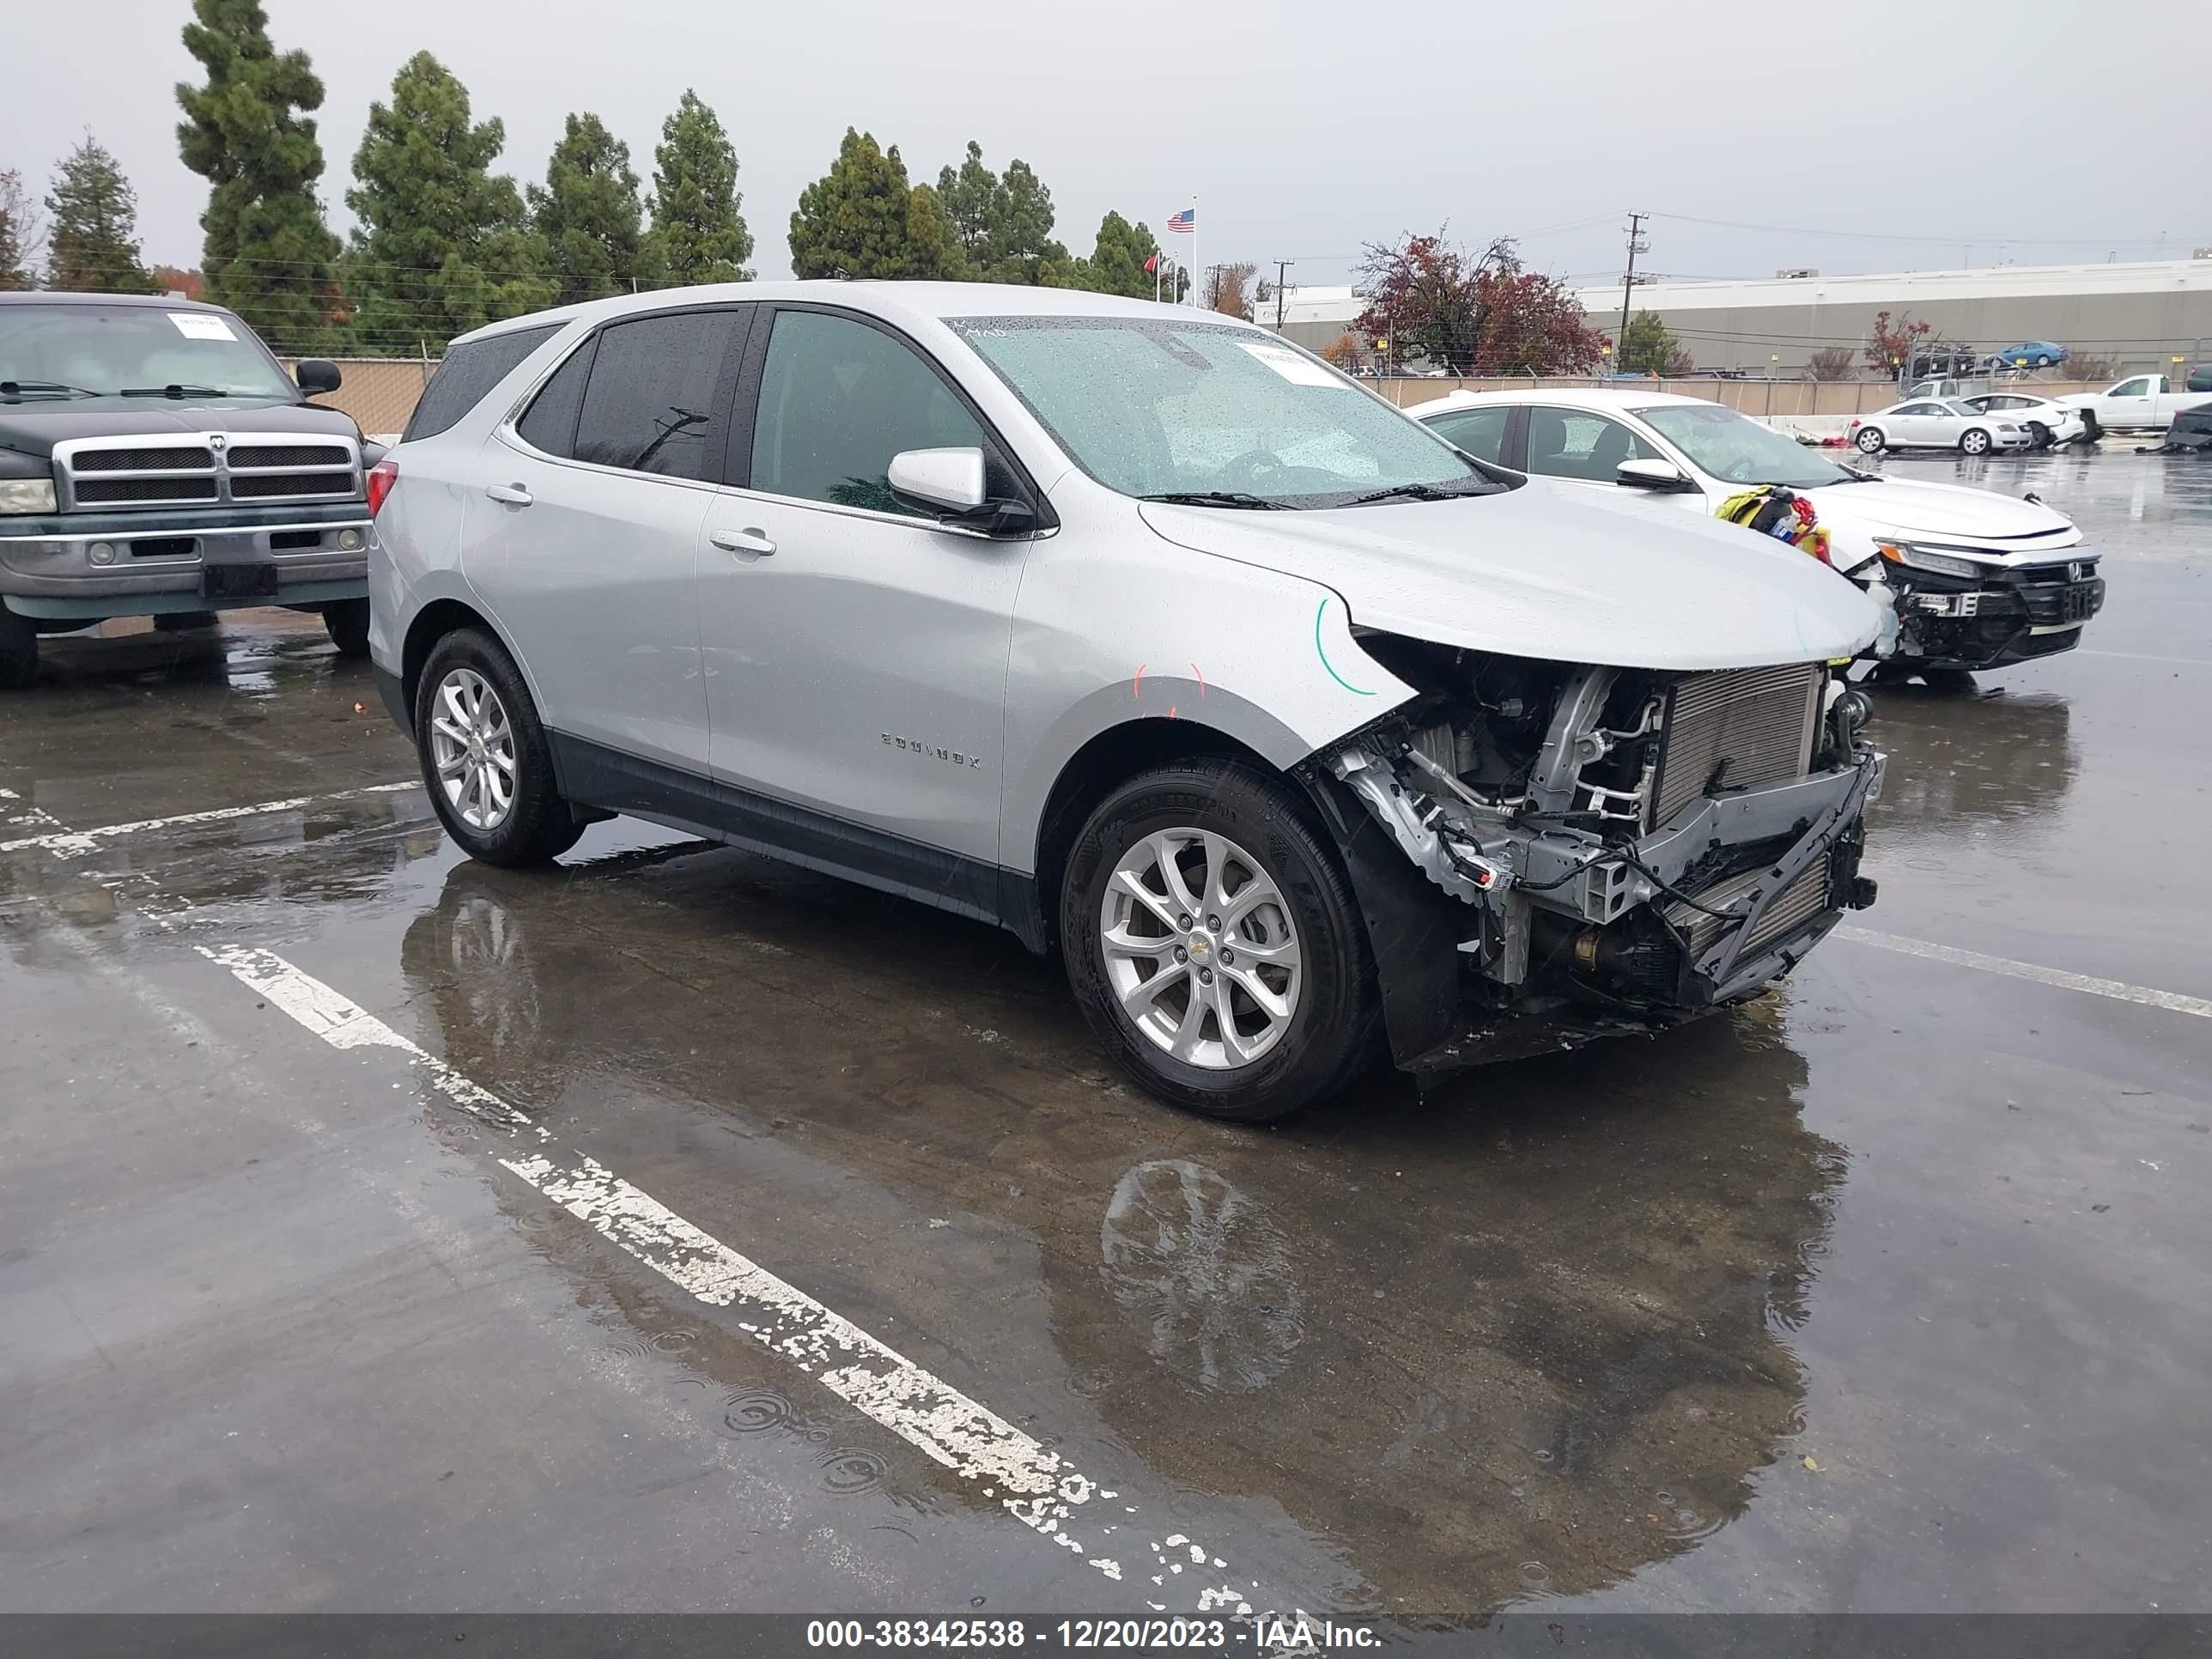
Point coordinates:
pixel 1201 672
pixel 1137 685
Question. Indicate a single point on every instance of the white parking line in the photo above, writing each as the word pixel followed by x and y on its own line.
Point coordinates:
pixel 1037 1487
pixel 68 842
pixel 2118 990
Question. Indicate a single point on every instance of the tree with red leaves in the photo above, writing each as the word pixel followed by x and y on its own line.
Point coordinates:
pixel 1483 316
pixel 1889 346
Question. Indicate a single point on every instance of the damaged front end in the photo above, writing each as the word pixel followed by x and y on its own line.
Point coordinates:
pixel 1593 848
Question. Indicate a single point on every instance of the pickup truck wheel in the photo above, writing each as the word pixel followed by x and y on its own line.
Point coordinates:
pixel 1974 441
pixel 1214 944
pixel 1870 441
pixel 484 757
pixel 347 624
pixel 18 651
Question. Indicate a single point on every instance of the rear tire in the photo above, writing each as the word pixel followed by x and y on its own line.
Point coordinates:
pixel 18 651
pixel 484 757
pixel 2039 433
pixel 347 624
pixel 1870 441
pixel 1245 855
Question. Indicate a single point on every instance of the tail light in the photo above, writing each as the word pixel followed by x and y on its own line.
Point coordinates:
pixel 381 478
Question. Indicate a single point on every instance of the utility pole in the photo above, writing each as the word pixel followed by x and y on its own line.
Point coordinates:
pixel 1635 245
pixel 1281 266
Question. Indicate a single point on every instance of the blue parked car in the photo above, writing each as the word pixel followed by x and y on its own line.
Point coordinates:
pixel 2029 353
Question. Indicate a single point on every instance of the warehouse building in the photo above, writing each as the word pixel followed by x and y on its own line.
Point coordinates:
pixel 2140 315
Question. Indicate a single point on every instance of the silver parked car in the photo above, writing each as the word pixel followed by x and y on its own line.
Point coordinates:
pixel 1140 633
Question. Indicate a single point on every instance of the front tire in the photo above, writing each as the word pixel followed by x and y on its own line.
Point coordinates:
pixel 1870 441
pixel 18 651
pixel 1214 944
pixel 347 624
pixel 1974 441
pixel 485 760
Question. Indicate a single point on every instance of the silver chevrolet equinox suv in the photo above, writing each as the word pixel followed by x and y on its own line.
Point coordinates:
pixel 1297 734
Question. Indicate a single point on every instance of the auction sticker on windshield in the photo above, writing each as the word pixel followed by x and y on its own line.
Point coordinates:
pixel 1299 371
pixel 198 326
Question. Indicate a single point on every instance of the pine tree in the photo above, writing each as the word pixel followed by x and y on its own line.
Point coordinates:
pixel 269 256
pixel 1003 223
pixel 698 235
pixel 932 243
pixel 587 213
pixel 857 219
pixel 21 235
pixel 93 245
pixel 1116 264
pixel 443 246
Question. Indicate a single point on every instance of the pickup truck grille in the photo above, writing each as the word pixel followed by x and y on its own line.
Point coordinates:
pixel 131 492
pixel 195 471
pixel 1737 729
pixel 289 455
pixel 144 460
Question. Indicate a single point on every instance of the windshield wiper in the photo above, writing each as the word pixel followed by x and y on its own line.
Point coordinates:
pixel 1218 498
pixel 1413 492
pixel 42 388
pixel 172 391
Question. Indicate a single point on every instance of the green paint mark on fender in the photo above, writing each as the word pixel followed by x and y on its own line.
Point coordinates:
pixel 1323 655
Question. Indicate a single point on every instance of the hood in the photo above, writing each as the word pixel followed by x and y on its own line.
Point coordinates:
pixel 1532 573
pixel 1950 510
pixel 34 426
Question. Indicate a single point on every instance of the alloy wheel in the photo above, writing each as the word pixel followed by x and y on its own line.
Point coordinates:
pixel 1200 948
pixel 473 749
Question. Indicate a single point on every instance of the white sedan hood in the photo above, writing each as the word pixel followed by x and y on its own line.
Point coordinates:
pixel 1948 511
pixel 1527 572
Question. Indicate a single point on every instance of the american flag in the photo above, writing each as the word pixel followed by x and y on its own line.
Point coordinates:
pixel 1185 221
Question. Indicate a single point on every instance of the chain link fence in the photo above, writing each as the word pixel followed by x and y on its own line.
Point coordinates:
pixel 378 392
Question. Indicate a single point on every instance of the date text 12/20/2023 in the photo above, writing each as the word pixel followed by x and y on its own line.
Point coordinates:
pixel 1194 1636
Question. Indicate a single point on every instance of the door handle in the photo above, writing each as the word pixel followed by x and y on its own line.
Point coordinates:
pixel 742 541
pixel 513 494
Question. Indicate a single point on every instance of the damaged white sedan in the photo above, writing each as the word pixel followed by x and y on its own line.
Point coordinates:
pixel 1294 731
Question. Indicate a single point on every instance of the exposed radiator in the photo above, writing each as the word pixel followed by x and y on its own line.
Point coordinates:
pixel 1803 899
pixel 1760 721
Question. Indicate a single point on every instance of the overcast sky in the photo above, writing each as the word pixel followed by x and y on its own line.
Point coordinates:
pixel 1303 130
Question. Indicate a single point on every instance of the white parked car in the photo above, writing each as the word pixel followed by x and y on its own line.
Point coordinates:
pixel 2047 422
pixel 1974 578
pixel 1937 423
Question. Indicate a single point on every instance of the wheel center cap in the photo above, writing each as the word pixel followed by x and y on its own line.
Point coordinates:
pixel 1201 947
pixel 476 749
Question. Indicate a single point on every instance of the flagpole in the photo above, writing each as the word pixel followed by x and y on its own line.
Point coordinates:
pixel 1197 269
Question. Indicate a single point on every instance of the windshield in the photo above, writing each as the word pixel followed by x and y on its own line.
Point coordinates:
pixel 1737 449
pixel 1196 409
pixel 70 350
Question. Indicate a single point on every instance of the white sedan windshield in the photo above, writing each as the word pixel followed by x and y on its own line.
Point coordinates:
pixel 1169 408
pixel 1736 449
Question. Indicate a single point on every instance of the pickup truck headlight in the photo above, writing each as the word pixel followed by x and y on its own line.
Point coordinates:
pixel 1943 564
pixel 27 495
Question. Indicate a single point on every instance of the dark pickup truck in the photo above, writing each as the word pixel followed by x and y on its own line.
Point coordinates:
pixel 155 460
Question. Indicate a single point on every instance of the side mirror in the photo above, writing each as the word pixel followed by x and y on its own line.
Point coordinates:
pixel 1651 475
pixel 948 480
pixel 318 374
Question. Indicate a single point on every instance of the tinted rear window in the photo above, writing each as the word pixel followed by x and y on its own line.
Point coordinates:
pixel 549 425
pixel 472 369
pixel 652 405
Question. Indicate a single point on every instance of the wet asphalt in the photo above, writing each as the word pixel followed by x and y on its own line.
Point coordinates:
pixel 1893 1291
